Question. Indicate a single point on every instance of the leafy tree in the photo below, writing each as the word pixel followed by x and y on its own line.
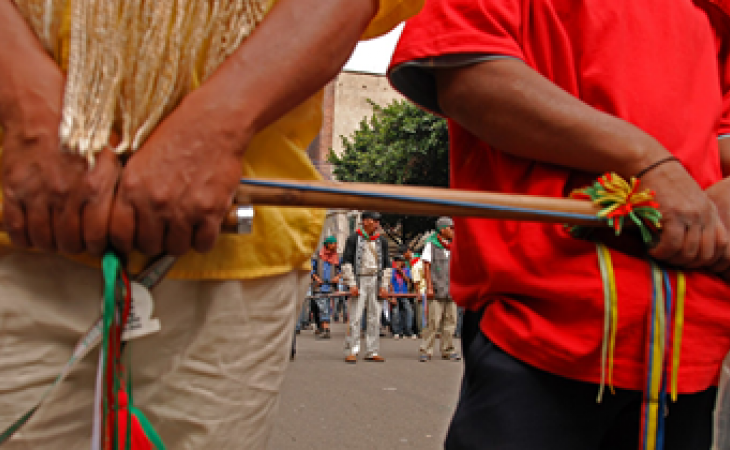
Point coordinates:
pixel 398 144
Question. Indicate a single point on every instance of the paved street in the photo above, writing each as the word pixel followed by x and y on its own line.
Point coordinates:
pixel 399 404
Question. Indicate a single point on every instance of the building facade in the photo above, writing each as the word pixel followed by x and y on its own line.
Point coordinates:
pixel 346 103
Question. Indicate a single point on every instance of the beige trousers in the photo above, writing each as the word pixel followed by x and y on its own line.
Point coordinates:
pixel 368 298
pixel 441 313
pixel 209 379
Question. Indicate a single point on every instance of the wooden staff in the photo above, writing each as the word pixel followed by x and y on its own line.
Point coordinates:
pixel 411 200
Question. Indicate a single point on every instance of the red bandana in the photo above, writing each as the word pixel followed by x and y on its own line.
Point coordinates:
pixel 364 235
pixel 330 257
pixel 444 244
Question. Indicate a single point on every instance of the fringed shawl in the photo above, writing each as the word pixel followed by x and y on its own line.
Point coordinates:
pixel 130 62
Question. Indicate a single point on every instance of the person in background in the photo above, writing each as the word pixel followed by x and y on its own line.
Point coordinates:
pixel 459 321
pixel 419 287
pixel 325 277
pixel 410 259
pixel 366 271
pixel 441 307
pixel 304 312
pixel 402 308
pixel 340 305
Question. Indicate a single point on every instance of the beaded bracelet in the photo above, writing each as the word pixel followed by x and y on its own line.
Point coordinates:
pixel 655 165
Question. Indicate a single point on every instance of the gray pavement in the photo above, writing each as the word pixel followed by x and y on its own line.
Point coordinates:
pixel 399 404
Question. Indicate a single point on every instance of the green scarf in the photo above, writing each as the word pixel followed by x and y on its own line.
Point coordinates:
pixel 436 240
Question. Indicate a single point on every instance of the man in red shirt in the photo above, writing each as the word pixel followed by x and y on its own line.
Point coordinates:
pixel 542 97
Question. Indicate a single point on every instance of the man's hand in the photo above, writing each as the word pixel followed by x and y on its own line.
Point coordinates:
pixel 383 293
pixel 354 292
pixel 176 189
pixel 719 193
pixel 52 201
pixel 429 293
pixel 693 234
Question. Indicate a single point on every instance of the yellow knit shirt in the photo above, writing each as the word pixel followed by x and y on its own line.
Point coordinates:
pixel 283 238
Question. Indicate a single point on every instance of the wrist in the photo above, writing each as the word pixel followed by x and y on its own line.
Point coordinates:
pixel 642 151
pixel 223 114
pixel 656 164
pixel 31 103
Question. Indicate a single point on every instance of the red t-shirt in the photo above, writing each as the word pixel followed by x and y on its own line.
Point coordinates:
pixel 653 63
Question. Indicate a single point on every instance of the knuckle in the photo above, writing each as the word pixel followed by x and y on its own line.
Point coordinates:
pixel 160 199
pixel 14 225
pixel 207 206
pixel 59 192
pixel 693 216
pixel 130 186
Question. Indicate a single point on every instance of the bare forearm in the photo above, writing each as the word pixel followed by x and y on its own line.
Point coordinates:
pixel 299 47
pixel 22 59
pixel 500 101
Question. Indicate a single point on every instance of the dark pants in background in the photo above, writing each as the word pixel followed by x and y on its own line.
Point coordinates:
pixel 401 315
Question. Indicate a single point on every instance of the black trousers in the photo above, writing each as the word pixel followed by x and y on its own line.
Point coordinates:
pixel 509 405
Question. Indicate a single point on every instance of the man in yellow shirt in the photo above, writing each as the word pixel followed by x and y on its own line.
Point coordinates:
pixel 129 125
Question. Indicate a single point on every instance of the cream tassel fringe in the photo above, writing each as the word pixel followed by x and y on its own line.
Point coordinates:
pixel 132 61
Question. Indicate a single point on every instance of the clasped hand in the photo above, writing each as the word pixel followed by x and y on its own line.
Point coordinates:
pixel 170 197
pixel 695 223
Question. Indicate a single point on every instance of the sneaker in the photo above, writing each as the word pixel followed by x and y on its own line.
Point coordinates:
pixel 424 357
pixel 396 336
pixel 325 334
pixel 414 336
pixel 351 359
pixel 452 356
pixel 375 358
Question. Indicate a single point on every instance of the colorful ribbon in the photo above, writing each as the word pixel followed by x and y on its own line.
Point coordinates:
pixel 659 377
pixel 619 200
pixel 610 325
pixel 117 423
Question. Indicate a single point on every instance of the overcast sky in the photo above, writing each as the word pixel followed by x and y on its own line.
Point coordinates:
pixel 374 55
